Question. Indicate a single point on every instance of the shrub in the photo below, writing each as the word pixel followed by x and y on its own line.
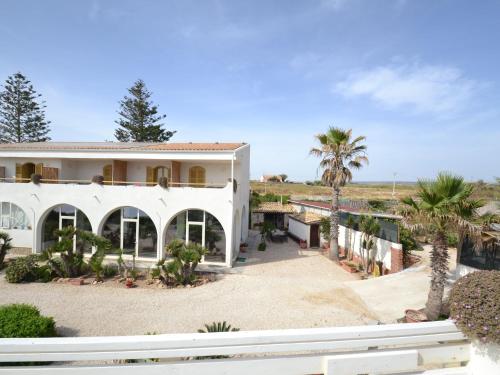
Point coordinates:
pixel 452 239
pixel 262 246
pixel 22 269
pixel 21 320
pixel 181 269
pixel 4 246
pixel 475 305
pixel 109 271
pixel 325 228
pixel 217 327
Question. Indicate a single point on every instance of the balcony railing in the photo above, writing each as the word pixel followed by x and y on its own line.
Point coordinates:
pixel 383 349
pixel 116 183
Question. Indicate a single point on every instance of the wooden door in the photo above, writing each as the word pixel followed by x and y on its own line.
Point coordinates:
pixel 314 235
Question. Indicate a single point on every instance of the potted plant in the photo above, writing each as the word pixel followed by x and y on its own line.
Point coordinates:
pixel 303 244
pixel 129 283
pixel 475 308
pixel 243 247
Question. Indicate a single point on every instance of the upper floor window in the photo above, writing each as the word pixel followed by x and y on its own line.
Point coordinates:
pixel 13 217
pixel 197 176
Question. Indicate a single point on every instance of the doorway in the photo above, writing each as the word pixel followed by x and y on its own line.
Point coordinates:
pixel 314 235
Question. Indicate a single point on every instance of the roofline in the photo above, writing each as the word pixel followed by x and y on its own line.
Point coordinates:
pixel 357 213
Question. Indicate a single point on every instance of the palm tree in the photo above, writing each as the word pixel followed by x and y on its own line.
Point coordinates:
pixel 437 211
pixel 369 227
pixel 339 154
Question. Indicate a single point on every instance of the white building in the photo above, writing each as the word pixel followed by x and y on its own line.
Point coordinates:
pixel 204 198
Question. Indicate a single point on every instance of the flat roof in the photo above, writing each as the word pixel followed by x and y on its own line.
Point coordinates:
pixel 274 207
pixel 121 146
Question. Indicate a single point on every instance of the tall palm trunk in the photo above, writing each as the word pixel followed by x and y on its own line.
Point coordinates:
pixel 334 227
pixel 439 269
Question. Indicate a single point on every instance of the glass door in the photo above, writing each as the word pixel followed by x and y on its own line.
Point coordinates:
pixel 129 237
pixel 195 233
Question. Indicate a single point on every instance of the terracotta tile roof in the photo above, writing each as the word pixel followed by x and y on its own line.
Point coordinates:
pixel 119 146
pixel 194 146
pixel 308 217
pixel 275 207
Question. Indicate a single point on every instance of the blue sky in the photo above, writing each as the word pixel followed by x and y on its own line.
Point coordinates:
pixel 420 79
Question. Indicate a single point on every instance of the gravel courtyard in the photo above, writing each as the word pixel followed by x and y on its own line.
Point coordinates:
pixel 283 287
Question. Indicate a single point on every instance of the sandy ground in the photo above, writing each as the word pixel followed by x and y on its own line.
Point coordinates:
pixel 282 287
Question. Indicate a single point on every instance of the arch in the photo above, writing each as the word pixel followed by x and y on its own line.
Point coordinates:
pixel 60 216
pixel 202 227
pixel 13 217
pixel 197 176
pixel 131 230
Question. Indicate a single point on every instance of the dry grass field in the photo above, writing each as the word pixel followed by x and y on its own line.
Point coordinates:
pixel 361 191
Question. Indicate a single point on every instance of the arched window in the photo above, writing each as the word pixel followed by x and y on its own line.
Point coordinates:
pixel 197 176
pixel 133 231
pixel 60 217
pixel 13 217
pixel 201 227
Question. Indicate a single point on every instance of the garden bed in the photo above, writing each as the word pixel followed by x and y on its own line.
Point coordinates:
pixel 141 281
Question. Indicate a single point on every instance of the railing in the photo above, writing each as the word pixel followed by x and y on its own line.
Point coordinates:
pixel 114 182
pixel 381 349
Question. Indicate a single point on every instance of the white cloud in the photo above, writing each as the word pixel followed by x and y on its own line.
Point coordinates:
pixel 435 89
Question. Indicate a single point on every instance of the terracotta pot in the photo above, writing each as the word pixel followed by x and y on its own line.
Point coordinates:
pixel 415 316
pixel 347 267
pixel 303 244
pixel 129 283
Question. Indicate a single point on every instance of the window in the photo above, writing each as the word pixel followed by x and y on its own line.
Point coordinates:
pixel 201 227
pixel 60 217
pixel 197 176
pixel 133 231
pixel 162 172
pixel 13 217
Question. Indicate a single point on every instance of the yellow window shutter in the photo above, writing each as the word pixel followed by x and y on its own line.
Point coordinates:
pixel 107 173
pixel 19 172
pixel 39 168
pixel 150 176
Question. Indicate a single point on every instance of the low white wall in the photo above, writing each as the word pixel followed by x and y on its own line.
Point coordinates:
pixel 351 239
pixel 20 237
pixel 299 229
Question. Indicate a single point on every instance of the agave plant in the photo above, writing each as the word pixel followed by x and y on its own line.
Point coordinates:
pixel 218 327
pixel 5 246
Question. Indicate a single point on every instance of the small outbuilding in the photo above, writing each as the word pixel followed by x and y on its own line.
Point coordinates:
pixel 306 227
pixel 276 213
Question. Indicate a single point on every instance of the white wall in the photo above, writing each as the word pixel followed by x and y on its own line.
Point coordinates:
pixel 350 238
pixel 20 237
pixel 97 202
pixel 299 229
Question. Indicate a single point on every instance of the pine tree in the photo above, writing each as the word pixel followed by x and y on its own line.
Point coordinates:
pixel 22 115
pixel 140 121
